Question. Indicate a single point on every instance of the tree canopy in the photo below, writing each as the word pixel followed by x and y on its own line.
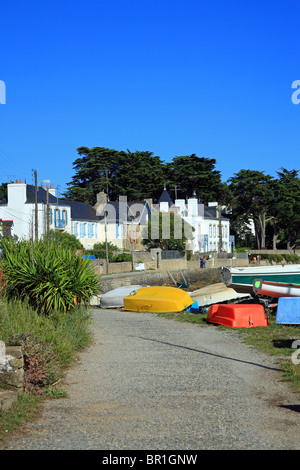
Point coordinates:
pixel 140 175
pixel 270 204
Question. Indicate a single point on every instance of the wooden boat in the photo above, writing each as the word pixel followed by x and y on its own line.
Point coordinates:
pixel 275 289
pixel 158 299
pixel 241 279
pixel 115 298
pixel 216 294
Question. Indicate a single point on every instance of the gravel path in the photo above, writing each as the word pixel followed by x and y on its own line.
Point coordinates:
pixel 151 383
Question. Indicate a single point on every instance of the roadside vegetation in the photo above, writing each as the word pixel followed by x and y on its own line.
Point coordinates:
pixel 45 292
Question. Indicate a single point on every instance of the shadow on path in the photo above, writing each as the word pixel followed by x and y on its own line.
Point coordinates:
pixel 210 354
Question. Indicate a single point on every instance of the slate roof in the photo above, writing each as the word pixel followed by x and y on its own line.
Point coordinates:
pixel 211 213
pixel 139 209
pixel 41 195
pixel 165 197
pixel 79 210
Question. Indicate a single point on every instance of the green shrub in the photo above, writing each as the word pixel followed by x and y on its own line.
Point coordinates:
pixel 49 275
pixel 99 250
pixel 292 258
pixel 121 258
pixel 64 239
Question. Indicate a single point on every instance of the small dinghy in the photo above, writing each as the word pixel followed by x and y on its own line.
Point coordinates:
pixel 288 311
pixel 115 298
pixel 216 294
pixel 237 315
pixel 275 289
pixel 158 299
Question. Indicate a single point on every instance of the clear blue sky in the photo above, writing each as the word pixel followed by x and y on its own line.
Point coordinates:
pixel 172 77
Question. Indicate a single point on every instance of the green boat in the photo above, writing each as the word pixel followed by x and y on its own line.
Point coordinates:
pixel 241 279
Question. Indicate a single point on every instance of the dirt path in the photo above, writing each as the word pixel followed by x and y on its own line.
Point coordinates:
pixel 151 383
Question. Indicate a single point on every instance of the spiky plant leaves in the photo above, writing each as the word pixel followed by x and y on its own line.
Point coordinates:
pixel 49 275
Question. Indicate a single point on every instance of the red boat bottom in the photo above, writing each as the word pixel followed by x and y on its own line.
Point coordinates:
pixel 237 315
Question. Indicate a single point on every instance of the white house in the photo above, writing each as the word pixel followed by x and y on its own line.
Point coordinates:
pixel 123 220
pixel 204 220
pixel 20 208
pixel 89 224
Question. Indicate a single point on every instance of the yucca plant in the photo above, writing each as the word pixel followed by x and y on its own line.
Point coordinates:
pixel 49 275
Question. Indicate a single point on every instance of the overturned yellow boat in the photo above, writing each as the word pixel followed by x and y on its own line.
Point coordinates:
pixel 158 299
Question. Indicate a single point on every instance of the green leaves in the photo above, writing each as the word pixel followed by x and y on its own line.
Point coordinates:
pixel 166 231
pixel 140 175
pixel 50 276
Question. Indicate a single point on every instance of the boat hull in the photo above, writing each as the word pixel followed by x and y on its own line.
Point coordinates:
pixel 158 299
pixel 216 294
pixel 237 315
pixel 275 289
pixel 241 279
pixel 288 311
pixel 115 297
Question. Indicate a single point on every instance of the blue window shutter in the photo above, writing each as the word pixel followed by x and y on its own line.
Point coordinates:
pixel 121 231
pixel 117 230
pixel 80 229
pixel 96 227
pixel 75 229
pixel 66 212
pixel 51 216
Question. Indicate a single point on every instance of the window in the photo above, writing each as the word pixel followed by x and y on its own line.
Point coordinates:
pixel 91 230
pixel 65 216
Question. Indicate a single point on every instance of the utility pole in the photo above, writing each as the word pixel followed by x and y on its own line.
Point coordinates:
pixel 132 246
pixel 106 246
pixel 36 208
pixel 220 229
pixel 47 211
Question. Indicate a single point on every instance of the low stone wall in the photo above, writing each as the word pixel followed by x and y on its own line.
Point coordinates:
pixel 150 262
pixel 11 376
pixel 158 277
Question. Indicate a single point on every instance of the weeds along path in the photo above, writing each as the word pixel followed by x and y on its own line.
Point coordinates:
pixel 151 383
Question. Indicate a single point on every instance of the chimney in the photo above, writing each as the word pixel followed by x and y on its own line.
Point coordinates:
pixel 52 190
pixel 16 194
pixel 101 200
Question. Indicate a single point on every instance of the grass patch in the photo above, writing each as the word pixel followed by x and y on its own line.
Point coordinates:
pixel 67 332
pixel 50 344
pixel 25 409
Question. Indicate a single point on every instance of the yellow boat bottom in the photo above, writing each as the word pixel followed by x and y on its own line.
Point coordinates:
pixel 158 299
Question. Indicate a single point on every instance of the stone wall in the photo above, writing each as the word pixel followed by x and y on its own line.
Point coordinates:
pixel 11 376
pixel 158 277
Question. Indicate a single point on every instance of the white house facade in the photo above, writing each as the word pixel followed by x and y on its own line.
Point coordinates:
pixel 111 221
pixel 204 220
pixel 20 208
